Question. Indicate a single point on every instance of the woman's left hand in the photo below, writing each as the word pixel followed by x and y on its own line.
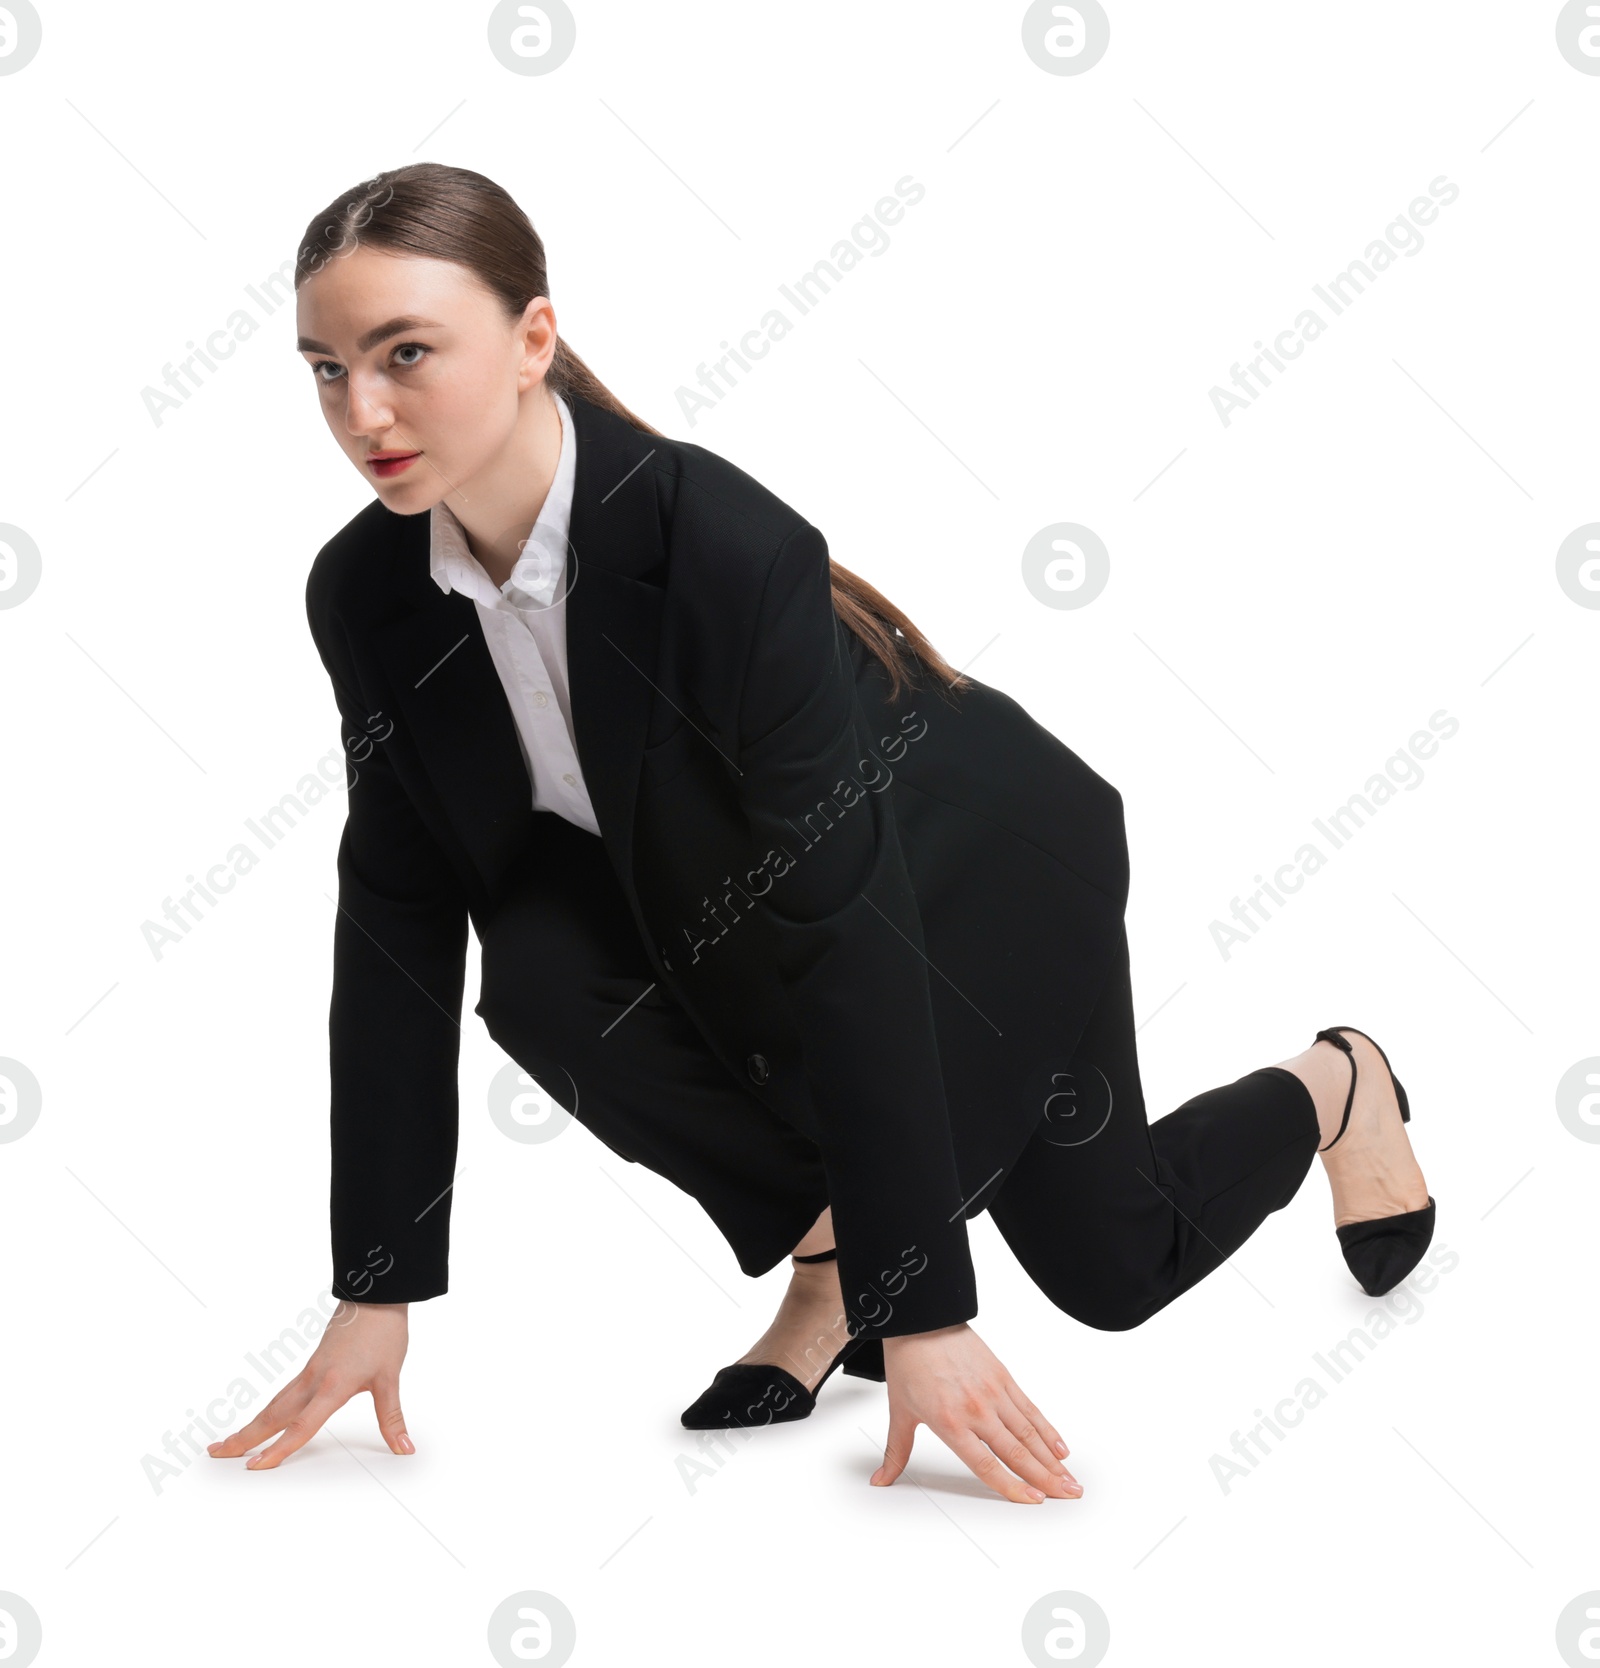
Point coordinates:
pixel 952 1382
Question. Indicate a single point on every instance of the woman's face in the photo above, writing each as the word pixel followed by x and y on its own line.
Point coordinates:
pixel 414 357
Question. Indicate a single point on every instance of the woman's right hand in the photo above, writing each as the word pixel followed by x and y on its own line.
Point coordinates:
pixel 361 1350
pixel 951 1381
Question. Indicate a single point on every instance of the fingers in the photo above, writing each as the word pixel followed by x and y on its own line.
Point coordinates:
pixel 268 1422
pixel 1026 1430
pixel 329 1398
pixel 966 1445
pixel 1051 1435
pixel 897 1448
pixel 1012 1449
pixel 391 1421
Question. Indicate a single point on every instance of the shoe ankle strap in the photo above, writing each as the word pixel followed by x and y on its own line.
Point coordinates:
pixel 817 1256
pixel 1334 1035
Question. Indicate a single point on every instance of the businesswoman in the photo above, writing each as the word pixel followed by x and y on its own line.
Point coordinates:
pixel 770 898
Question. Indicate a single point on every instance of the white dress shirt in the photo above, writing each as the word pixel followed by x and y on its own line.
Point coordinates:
pixel 525 625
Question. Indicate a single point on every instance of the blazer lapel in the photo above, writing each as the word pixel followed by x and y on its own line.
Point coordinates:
pixel 454 708
pixel 613 616
pixel 449 691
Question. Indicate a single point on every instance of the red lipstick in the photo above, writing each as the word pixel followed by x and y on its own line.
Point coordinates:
pixel 385 464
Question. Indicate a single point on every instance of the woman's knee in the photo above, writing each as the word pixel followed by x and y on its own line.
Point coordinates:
pixel 1118 1315
pixel 1108 1305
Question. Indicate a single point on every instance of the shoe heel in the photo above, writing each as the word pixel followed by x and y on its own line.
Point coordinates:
pixel 867 1362
pixel 1399 1087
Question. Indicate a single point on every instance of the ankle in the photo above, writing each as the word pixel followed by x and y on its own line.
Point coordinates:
pixel 1325 1071
pixel 824 1273
pixel 818 1237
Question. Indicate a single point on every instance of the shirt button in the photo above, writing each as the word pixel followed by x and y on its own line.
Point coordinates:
pixel 569 779
pixel 757 1066
pixel 540 699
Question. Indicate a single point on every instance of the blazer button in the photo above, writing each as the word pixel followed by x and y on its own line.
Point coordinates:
pixel 757 1066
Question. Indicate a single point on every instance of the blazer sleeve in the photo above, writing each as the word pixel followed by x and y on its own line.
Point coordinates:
pixel 394 1021
pixel 851 957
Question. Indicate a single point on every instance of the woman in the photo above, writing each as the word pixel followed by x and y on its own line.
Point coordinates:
pixel 770 898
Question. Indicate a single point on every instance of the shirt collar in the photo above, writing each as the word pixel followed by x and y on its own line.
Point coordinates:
pixel 535 580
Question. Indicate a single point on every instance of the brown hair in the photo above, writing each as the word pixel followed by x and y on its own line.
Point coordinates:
pixel 454 214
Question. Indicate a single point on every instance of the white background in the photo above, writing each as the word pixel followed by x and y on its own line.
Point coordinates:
pixel 1290 597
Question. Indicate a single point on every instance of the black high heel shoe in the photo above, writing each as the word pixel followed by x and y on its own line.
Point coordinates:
pixel 750 1393
pixel 1383 1251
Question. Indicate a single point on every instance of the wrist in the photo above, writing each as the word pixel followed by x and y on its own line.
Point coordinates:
pixel 917 1337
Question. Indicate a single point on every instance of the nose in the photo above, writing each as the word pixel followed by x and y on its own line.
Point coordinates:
pixel 367 410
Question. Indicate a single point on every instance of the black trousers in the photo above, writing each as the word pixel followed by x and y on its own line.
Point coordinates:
pixel 1111 1216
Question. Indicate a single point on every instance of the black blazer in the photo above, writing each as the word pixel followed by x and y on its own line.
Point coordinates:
pixel 889 921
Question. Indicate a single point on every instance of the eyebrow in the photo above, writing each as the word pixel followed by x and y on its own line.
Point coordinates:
pixel 380 333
